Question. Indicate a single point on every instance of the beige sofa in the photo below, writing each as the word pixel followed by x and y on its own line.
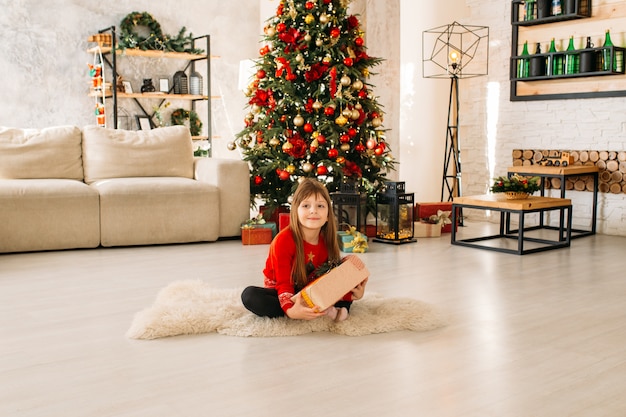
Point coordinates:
pixel 63 188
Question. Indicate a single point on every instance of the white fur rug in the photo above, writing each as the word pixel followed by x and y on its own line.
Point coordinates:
pixel 193 307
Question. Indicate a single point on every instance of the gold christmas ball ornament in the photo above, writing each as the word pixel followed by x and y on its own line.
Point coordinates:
pixel 270 31
pixel 307 167
pixel 231 146
pixel 324 18
pixel 355 114
pixel 256 108
pixel 287 146
pixel 347 113
pixel 299 121
pixel 309 19
pixel 319 42
pixel 377 122
pixel 344 147
pixel 274 142
pixel 358 106
pixel 345 81
pixel 317 105
pixel 299 58
pixel 357 85
pixel 307 38
pixel 290 169
pixel 341 120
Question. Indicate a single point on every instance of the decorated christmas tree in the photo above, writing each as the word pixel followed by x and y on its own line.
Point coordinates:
pixel 312 112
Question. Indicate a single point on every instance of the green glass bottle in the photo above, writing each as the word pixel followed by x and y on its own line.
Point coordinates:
pixel 571 58
pixel 522 63
pixel 618 55
pixel 530 10
pixel 555 61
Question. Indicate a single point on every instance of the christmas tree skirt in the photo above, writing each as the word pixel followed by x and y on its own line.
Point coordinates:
pixel 194 307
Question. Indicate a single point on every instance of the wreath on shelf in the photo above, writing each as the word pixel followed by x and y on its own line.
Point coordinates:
pixel 129 38
pixel 180 116
pixel 157 40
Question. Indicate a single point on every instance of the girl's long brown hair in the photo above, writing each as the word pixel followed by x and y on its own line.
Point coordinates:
pixel 307 188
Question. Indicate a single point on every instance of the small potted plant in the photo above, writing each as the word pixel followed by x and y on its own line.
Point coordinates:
pixel 516 187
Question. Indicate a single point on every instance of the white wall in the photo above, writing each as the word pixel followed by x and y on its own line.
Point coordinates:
pixel 43 61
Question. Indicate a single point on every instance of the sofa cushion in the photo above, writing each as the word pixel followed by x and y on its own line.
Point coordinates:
pixel 163 152
pixel 149 210
pixel 48 214
pixel 53 152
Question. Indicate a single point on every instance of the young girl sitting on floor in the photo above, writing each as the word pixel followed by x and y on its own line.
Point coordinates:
pixel 296 251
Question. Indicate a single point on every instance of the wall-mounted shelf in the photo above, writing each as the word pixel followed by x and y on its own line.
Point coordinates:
pixel 586 20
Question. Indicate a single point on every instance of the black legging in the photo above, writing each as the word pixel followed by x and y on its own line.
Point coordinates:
pixel 264 302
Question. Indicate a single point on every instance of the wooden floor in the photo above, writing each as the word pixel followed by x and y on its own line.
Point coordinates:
pixel 536 335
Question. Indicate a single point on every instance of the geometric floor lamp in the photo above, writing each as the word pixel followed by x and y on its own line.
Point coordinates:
pixel 454 51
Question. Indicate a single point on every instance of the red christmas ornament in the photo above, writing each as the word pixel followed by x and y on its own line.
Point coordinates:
pixel 335 32
pixel 378 151
pixel 322 170
pixel 359 41
pixel 258 180
pixel 371 143
pixel 309 5
pixel 308 127
pixel 260 74
pixel 360 148
pixel 352 132
pixel 344 138
pixel 382 145
pixel 265 50
pixel 333 153
pixel 329 111
pixel 281 27
pixel 284 175
pixel 321 139
pixel 283 118
pixel 348 62
pixel 363 94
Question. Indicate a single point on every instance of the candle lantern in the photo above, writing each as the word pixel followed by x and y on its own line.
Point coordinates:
pixel 350 205
pixel 394 214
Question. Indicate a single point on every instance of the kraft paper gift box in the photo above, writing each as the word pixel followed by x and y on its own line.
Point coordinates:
pixel 425 210
pixel 256 235
pixel 423 229
pixel 326 290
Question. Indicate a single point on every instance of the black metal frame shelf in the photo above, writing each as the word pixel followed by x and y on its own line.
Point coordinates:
pixel 548 57
pixel 114 53
pixel 582 10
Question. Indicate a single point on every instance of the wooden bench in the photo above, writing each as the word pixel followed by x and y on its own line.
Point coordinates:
pixel 499 203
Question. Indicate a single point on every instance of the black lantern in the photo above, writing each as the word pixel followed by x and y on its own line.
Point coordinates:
pixel 350 206
pixel 181 85
pixel 394 214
